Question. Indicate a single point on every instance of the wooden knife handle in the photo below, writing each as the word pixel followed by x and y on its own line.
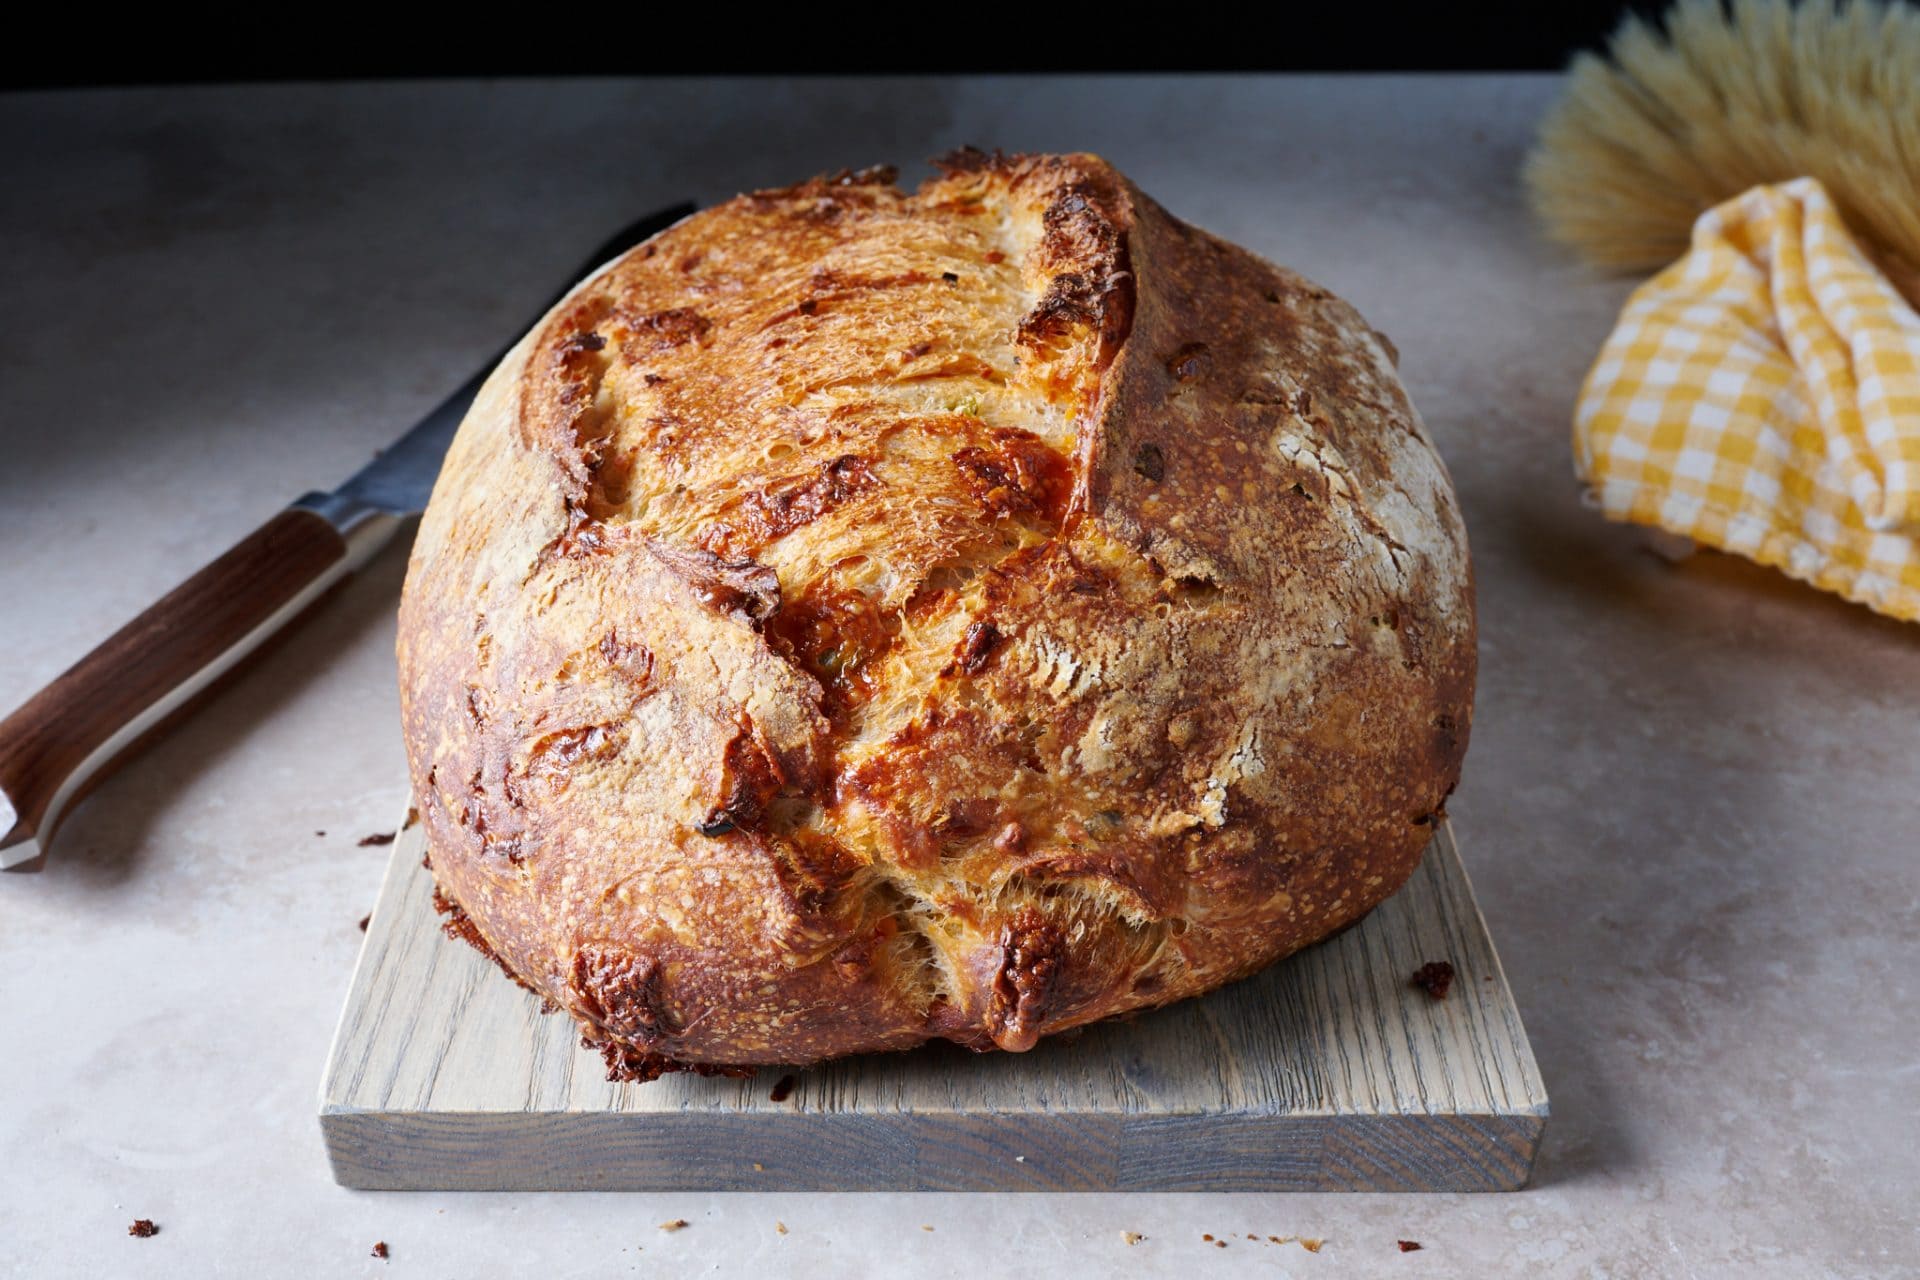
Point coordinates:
pixel 69 735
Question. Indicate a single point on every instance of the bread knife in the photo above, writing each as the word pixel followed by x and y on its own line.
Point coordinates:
pixel 69 736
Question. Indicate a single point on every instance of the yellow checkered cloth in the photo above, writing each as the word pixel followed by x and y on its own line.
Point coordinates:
pixel 1762 395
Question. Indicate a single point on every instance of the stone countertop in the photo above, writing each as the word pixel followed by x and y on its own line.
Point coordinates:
pixel 1690 808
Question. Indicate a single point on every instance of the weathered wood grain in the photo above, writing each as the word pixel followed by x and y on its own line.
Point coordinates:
pixel 1327 1072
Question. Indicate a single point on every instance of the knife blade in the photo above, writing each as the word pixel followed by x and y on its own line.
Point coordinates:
pixel 66 738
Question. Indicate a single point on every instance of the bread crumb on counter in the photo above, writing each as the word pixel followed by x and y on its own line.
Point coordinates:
pixel 377 838
pixel 143 1228
pixel 781 1227
pixel 380 1250
pixel 675 1225
pixel 1408 1246
pixel 1310 1243
pixel 1132 1237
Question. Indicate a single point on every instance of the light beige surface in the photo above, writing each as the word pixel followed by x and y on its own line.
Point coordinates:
pixel 1690 803
pixel 1329 1072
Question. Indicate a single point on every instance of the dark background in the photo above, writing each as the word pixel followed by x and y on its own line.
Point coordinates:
pixel 547 38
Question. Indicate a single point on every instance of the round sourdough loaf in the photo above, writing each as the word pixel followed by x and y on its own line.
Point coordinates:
pixel 857 618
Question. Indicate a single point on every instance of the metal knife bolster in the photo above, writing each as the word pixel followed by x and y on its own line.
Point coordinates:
pixel 365 529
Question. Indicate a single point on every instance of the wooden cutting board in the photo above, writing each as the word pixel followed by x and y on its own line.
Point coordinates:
pixel 1327 1072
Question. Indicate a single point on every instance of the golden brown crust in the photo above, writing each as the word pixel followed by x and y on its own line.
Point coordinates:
pixel 857 618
